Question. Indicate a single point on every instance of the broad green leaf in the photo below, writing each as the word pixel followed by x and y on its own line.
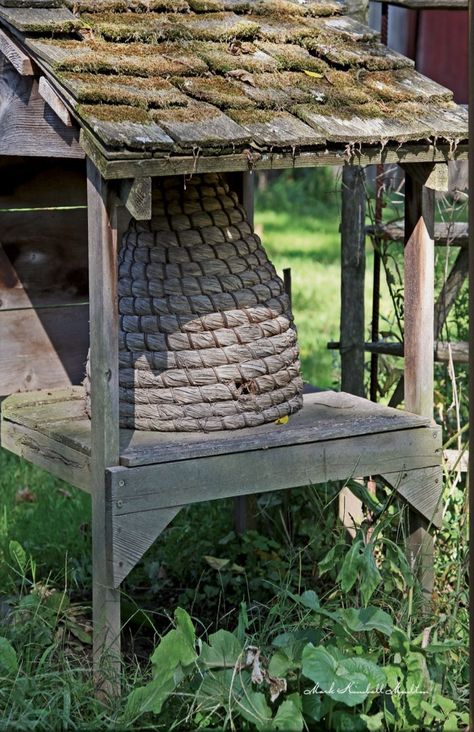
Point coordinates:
pixel 375 675
pixel 367 618
pixel 431 711
pixel 371 577
pixel 398 561
pixel 288 717
pixel 345 722
pixel 310 600
pixel 8 657
pixel 330 560
pixel 351 565
pixel 312 705
pixel 253 707
pixel 399 642
pixel 327 669
pixel 218 686
pixel 280 663
pixel 18 554
pixel 223 650
pixel 176 648
pixel 373 722
pixel 149 698
pixel 417 681
pixel 217 563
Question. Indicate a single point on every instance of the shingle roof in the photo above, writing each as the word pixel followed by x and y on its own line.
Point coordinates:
pixel 178 76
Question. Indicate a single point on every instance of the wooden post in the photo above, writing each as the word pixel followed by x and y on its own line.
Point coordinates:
pixel 105 424
pixel 419 295
pixel 419 342
pixel 352 280
pixel 245 507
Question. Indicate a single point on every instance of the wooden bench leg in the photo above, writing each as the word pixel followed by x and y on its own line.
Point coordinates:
pixel 420 550
pixel 105 603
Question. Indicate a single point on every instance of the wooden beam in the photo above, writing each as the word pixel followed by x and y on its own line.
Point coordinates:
pixel 352 280
pixel 443 351
pixel 419 294
pixel 18 58
pixel 52 99
pixel 126 164
pixel 104 425
pixel 136 196
pixel 222 476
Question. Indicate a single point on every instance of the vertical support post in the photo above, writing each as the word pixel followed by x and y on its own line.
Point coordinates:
pixel 419 342
pixel 245 507
pixel 352 280
pixel 419 295
pixel 104 424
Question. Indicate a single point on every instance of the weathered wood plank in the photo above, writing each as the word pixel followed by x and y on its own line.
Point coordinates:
pixel 423 489
pixel 28 126
pixel 54 101
pixel 190 481
pixel 133 535
pixel 45 348
pixel 18 59
pixel 31 3
pixel 58 459
pixel 126 167
pixel 278 129
pixel 39 19
pixel 454 233
pixel 136 196
pixel 325 416
pixel 104 424
pixel 202 125
pixel 443 351
pixel 419 296
pixel 353 280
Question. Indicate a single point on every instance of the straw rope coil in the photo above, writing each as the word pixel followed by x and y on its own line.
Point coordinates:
pixel 207 340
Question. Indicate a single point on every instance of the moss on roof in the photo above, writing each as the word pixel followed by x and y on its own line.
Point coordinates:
pixel 177 66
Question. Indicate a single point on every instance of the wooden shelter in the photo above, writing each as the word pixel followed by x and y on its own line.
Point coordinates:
pixel 148 88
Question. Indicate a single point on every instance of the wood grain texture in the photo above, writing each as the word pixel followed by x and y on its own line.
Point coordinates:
pixel 45 348
pixel 423 489
pixel 455 233
pixel 352 280
pixel 419 295
pixel 17 58
pixel 104 425
pixel 325 416
pixel 47 92
pixel 194 480
pixel 28 126
pixel 136 196
pixel 55 457
pixel 39 18
pixel 113 168
pixel 443 351
pixel 133 535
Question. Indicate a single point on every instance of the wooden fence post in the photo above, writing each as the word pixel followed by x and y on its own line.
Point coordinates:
pixel 352 337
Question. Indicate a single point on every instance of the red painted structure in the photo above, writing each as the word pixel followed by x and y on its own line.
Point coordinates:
pixel 437 39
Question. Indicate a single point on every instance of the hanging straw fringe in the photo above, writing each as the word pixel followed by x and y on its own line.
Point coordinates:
pixel 207 340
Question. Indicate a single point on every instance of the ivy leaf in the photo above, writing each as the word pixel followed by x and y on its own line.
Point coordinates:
pixel 351 565
pixel 223 650
pixel 8 657
pixel 371 577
